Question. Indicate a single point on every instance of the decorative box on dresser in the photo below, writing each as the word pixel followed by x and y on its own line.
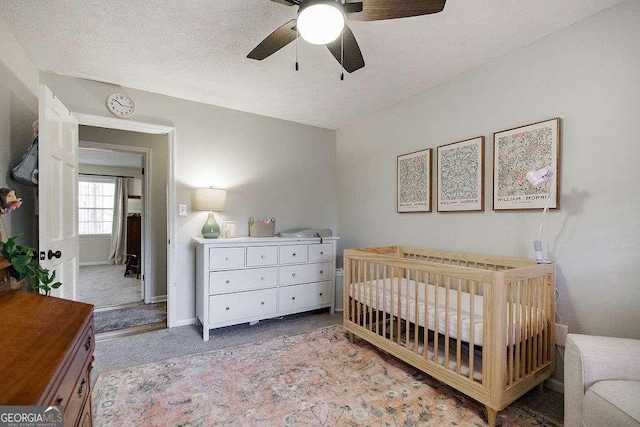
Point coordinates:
pixel 46 353
pixel 248 279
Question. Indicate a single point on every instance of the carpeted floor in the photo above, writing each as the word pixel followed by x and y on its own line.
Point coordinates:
pixel 127 317
pixel 542 408
pixel 106 286
pixel 316 378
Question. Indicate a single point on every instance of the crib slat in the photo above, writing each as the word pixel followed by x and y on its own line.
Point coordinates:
pixel 384 300
pixel 416 300
pixel 447 284
pixel 436 328
pixel 407 276
pixel 399 311
pixel 368 285
pixel 459 327
pixel 486 331
pixel 472 338
pixel 425 340
pixel 519 330
pixel 529 328
pixel 511 344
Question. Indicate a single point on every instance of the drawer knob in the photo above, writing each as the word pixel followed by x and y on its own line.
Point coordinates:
pixel 262 303
pixel 321 252
pixel 81 388
pixel 293 274
pixel 227 309
pixel 321 271
pixel 262 278
pixel 59 401
pixel 294 254
pixel 228 281
pixel 87 345
pixel 262 256
pixel 320 293
pixel 226 258
pixel 293 297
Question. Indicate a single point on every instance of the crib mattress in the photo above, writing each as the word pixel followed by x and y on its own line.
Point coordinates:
pixel 398 298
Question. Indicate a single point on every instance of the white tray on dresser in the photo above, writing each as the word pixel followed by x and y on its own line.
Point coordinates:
pixel 254 278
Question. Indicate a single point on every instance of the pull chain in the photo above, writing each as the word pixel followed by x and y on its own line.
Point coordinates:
pixel 297 66
pixel 342 55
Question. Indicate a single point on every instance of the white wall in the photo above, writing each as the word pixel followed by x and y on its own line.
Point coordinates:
pixel 270 167
pixel 15 58
pixel 587 74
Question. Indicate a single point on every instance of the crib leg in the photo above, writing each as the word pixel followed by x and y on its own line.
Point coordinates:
pixel 351 337
pixel 492 415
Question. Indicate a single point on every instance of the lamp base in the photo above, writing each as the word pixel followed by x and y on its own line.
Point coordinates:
pixel 211 229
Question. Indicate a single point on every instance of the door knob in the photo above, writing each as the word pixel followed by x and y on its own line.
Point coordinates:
pixel 56 254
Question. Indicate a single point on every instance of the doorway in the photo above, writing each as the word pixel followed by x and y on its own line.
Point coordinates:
pixel 119 199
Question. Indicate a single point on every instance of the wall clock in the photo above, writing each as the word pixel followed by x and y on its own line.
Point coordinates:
pixel 121 105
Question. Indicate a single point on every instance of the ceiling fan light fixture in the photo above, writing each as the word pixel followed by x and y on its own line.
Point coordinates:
pixel 320 22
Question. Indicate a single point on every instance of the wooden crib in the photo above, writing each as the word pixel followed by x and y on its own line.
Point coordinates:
pixel 482 324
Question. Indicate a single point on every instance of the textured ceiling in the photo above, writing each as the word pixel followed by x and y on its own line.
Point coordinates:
pixel 197 50
pixel 90 156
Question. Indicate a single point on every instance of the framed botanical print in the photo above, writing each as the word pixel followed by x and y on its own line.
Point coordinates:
pixel 414 182
pixel 530 149
pixel 460 175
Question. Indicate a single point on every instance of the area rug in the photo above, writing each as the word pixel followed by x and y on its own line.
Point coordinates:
pixel 314 379
pixel 127 317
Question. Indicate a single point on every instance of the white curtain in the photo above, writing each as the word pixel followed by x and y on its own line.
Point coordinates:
pixel 118 247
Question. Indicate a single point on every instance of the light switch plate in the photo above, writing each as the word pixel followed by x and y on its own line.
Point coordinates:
pixel 182 210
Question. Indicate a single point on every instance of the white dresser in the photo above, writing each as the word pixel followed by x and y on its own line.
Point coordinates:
pixel 250 278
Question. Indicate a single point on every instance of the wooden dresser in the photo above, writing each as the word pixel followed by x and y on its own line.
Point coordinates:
pixel 46 353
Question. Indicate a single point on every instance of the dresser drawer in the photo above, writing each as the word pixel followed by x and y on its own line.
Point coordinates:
pixel 74 369
pixel 321 252
pixel 224 282
pixel 304 296
pixel 258 256
pixel 293 254
pixel 226 258
pixel 80 395
pixel 295 274
pixel 242 305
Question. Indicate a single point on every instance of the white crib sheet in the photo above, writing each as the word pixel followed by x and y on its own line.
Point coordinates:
pixel 391 296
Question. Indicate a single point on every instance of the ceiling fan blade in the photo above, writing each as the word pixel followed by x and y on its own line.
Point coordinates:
pixel 275 41
pixel 377 10
pixel 285 2
pixel 353 59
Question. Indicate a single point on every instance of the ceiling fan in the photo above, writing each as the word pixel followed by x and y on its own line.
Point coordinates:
pixel 323 22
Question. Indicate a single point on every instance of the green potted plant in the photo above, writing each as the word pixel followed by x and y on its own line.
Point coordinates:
pixel 25 266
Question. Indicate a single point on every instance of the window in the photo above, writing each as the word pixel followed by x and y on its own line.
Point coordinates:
pixel 95 205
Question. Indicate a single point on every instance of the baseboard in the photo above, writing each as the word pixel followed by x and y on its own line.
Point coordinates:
pixel 555 385
pixel 186 322
pixel 87 264
pixel 161 298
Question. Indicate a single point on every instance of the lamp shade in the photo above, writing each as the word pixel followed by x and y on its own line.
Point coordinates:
pixel 209 199
pixel 320 21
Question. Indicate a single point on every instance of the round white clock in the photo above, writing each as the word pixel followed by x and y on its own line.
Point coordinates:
pixel 121 105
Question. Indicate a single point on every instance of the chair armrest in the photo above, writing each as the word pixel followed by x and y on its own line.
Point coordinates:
pixel 589 359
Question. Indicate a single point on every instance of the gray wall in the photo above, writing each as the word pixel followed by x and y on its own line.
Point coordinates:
pixel 18 111
pixel 587 74
pixel 270 167
pixel 156 273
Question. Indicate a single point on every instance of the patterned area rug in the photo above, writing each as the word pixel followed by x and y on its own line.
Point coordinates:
pixel 317 379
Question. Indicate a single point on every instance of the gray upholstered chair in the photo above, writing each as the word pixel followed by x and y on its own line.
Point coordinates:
pixel 601 381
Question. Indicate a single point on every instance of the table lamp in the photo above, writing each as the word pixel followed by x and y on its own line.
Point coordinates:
pixel 211 200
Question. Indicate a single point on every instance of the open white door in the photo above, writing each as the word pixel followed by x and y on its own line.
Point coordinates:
pixel 58 192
